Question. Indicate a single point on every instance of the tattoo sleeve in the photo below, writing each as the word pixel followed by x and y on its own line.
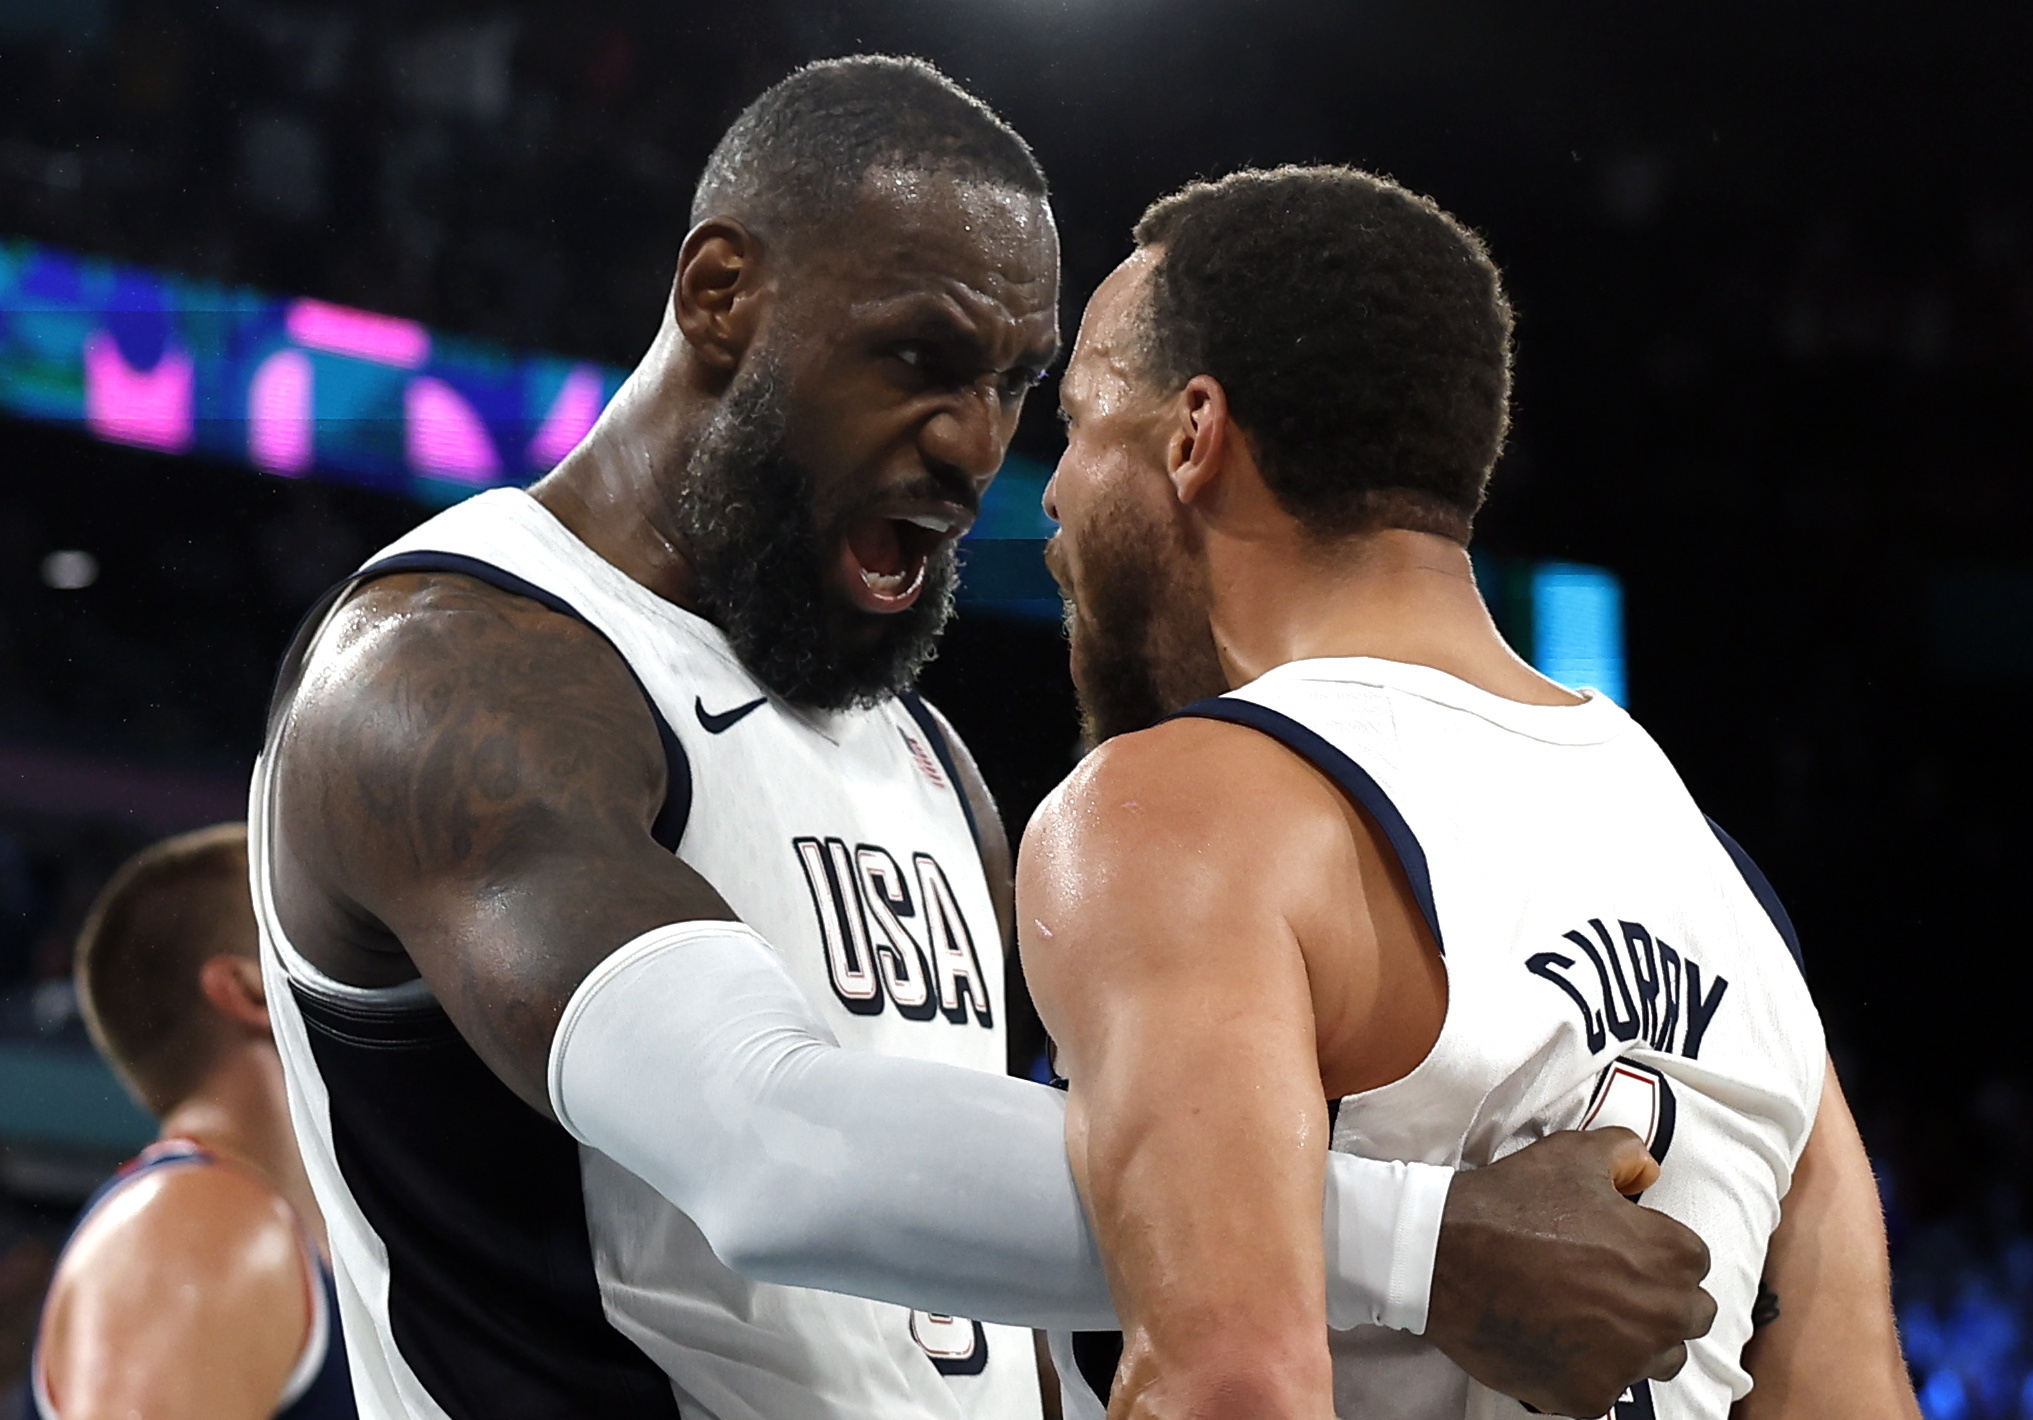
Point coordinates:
pixel 476 776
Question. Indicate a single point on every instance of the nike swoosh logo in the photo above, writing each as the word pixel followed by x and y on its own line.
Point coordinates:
pixel 721 723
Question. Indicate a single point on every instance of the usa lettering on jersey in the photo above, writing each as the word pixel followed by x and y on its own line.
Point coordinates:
pixel 1631 986
pixel 888 945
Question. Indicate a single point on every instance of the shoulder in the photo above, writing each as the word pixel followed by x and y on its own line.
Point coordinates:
pixel 1188 820
pixel 208 1231
pixel 1183 782
pixel 437 693
pixel 195 1277
pixel 437 627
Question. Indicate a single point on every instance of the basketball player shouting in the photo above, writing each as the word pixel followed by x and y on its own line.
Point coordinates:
pixel 594 824
pixel 192 1287
pixel 1387 857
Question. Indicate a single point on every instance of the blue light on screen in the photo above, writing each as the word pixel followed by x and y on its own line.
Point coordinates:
pixel 1578 626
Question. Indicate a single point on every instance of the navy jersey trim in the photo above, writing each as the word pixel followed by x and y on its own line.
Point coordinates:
pixel 1761 888
pixel 668 828
pixel 329 1396
pixel 1352 777
pixel 493 1297
pixel 915 706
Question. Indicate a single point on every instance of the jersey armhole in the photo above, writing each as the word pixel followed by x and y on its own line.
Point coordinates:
pixel 668 828
pixel 1762 889
pixel 915 706
pixel 1352 778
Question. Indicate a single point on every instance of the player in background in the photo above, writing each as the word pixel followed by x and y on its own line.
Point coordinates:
pixel 194 1286
pixel 1379 885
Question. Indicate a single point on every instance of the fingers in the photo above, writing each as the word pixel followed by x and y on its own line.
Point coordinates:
pixel 1667 1364
pixel 1630 1165
pixel 1704 1313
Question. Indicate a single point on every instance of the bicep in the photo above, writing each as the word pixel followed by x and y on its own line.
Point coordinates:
pixel 477 777
pixel 1833 1348
pixel 1178 996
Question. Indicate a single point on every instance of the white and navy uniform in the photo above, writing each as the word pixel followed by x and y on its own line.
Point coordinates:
pixel 489 1265
pixel 1612 957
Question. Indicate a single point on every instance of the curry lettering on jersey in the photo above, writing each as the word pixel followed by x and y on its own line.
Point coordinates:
pixel 888 944
pixel 1633 987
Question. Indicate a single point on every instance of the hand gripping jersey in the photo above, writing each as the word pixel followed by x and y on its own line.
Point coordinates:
pixel 1611 957
pixel 488 1265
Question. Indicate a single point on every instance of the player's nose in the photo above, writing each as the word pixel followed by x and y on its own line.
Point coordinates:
pixel 968 434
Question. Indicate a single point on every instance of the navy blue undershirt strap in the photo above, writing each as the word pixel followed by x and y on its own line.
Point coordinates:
pixel 1352 777
pixel 1761 888
pixel 668 828
pixel 918 710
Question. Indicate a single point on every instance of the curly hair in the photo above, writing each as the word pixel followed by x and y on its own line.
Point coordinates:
pixel 1361 334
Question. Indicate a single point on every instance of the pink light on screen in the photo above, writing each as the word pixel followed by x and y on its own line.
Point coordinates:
pixel 279 414
pixel 149 408
pixel 443 436
pixel 364 335
pixel 571 415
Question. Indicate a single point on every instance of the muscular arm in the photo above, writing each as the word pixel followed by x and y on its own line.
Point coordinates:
pixel 183 1299
pixel 467 780
pixel 465 788
pixel 1157 942
pixel 1832 1352
pixel 1199 981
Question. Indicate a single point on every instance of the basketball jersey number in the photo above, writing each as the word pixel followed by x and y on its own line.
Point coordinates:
pixel 957 1346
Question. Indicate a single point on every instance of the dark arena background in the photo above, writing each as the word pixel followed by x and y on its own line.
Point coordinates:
pixel 276 279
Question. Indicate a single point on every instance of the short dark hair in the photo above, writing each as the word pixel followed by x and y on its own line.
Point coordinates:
pixel 154 924
pixel 797 156
pixel 1361 334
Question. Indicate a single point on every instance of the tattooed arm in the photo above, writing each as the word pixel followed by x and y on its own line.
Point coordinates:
pixel 465 789
pixel 466 784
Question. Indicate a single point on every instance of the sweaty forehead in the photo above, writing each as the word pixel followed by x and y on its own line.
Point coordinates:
pixel 1108 354
pixel 990 248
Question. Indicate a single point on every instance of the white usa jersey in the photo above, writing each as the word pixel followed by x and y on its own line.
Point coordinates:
pixel 1611 958
pixel 490 1266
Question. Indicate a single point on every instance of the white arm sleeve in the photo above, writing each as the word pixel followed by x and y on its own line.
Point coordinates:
pixel 691 1058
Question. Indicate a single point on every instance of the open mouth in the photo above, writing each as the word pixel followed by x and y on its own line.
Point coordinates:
pixel 883 556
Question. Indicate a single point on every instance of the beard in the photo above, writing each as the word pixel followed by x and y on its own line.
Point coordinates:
pixel 759 557
pixel 1141 643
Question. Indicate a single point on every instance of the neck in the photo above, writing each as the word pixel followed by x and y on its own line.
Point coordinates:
pixel 1395 595
pixel 613 492
pixel 240 1112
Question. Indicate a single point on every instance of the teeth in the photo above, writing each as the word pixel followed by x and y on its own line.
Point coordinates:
pixel 931 522
pixel 887 583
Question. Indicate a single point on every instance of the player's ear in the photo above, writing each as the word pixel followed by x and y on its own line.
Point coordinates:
pixel 716 295
pixel 1202 436
pixel 233 986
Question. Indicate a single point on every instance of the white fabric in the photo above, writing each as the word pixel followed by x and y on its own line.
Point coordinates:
pixel 808 1165
pixel 1382 1231
pixel 1536 822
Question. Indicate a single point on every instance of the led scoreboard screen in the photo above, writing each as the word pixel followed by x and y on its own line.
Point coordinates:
pixel 290 385
pixel 300 388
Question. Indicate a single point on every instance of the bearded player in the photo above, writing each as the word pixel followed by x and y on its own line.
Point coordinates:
pixel 1376 884
pixel 631 929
